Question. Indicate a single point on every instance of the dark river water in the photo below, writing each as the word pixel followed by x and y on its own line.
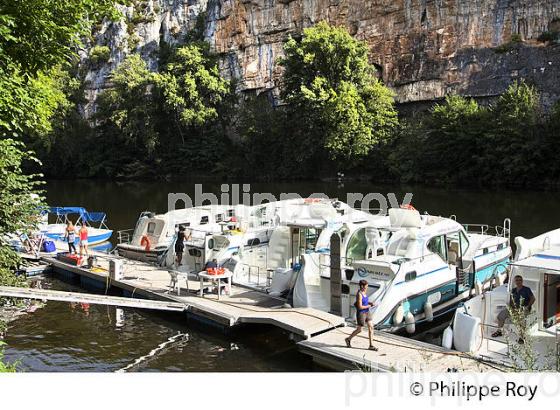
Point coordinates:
pixel 64 337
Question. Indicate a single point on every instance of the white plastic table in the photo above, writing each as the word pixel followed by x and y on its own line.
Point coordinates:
pixel 213 278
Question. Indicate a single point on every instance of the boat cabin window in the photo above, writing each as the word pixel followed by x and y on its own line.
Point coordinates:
pixel 410 276
pixel 253 242
pixel 357 245
pixel 464 242
pixel 218 243
pixel 204 220
pixel 151 228
pixel 457 244
pixel 438 246
pixel 500 246
pixel 195 252
pixel 230 212
pixel 219 218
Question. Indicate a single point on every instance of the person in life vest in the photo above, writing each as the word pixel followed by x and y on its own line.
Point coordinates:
pixel 146 243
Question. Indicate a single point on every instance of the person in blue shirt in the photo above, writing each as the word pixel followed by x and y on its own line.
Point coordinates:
pixel 521 298
pixel 362 315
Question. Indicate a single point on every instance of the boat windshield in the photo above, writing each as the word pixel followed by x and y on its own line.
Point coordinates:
pixel 357 245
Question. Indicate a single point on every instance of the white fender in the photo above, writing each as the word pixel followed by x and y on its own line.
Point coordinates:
pixel 466 334
pixel 410 322
pixel 398 316
pixel 429 311
pixel 447 338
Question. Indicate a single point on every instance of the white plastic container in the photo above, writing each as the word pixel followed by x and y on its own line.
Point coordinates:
pixel 116 269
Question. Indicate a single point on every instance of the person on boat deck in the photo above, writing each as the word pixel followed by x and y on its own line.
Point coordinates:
pixel 180 245
pixel 521 298
pixel 83 239
pixel 71 236
pixel 362 309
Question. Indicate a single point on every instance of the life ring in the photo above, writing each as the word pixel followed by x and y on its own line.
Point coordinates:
pixel 145 242
pixel 408 206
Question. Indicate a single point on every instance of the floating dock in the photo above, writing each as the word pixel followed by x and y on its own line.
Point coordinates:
pixel 142 280
pixel 395 354
pixel 319 334
pixel 94 299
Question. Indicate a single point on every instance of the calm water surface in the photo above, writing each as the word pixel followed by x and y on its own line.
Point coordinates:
pixel 64 337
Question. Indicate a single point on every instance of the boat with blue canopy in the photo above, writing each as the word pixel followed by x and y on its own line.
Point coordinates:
pixel 98 231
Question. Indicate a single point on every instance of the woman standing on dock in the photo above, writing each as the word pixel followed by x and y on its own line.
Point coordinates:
pixel 71 236
pixel 84 239
pixel 180 245
pixel 362 317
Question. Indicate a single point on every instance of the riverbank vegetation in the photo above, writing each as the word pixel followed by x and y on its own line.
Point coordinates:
pixel 334 115
pixel 37 41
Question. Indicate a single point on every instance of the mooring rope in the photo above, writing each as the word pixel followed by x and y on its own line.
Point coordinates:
pixel 160 348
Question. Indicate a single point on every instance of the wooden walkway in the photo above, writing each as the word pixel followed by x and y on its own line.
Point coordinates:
pixel 143 280
pixel 47 294
pixel 395 354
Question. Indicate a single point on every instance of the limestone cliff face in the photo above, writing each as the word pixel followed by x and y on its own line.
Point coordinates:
pixel 423 49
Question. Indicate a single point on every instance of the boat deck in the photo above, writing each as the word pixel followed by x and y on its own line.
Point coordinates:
pixel 242 306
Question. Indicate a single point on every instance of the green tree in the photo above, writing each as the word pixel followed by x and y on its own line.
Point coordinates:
pixel 36 38
pixel 40 34
pixel 128 109
pixel 454 136
pixel 19 204
pixel 332 92
pixel 514 137
pixel 192 88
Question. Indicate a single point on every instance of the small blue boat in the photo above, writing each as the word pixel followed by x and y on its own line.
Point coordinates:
pixel 98 232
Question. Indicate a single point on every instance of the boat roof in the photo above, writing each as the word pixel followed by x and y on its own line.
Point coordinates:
pixel 65 210
pixel 548 260
pixel 69 210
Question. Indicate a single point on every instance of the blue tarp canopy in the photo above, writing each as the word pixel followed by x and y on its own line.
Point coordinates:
pixel 66 210
pixel 84 215
pixel 94 216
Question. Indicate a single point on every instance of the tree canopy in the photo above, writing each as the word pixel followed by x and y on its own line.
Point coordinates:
pixel 331 86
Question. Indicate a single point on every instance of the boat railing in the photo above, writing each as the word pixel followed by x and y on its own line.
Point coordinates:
pixel 481 229
pixel 503 231
pixel 124 236
pixel 255 269
pixel 373 211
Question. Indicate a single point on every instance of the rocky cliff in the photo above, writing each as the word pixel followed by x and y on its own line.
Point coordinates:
pixel 423 49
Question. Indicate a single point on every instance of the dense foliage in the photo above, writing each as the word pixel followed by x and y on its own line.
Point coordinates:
pixel 37 38
pixel 161 121
pixel 331 90
pixel 511 141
